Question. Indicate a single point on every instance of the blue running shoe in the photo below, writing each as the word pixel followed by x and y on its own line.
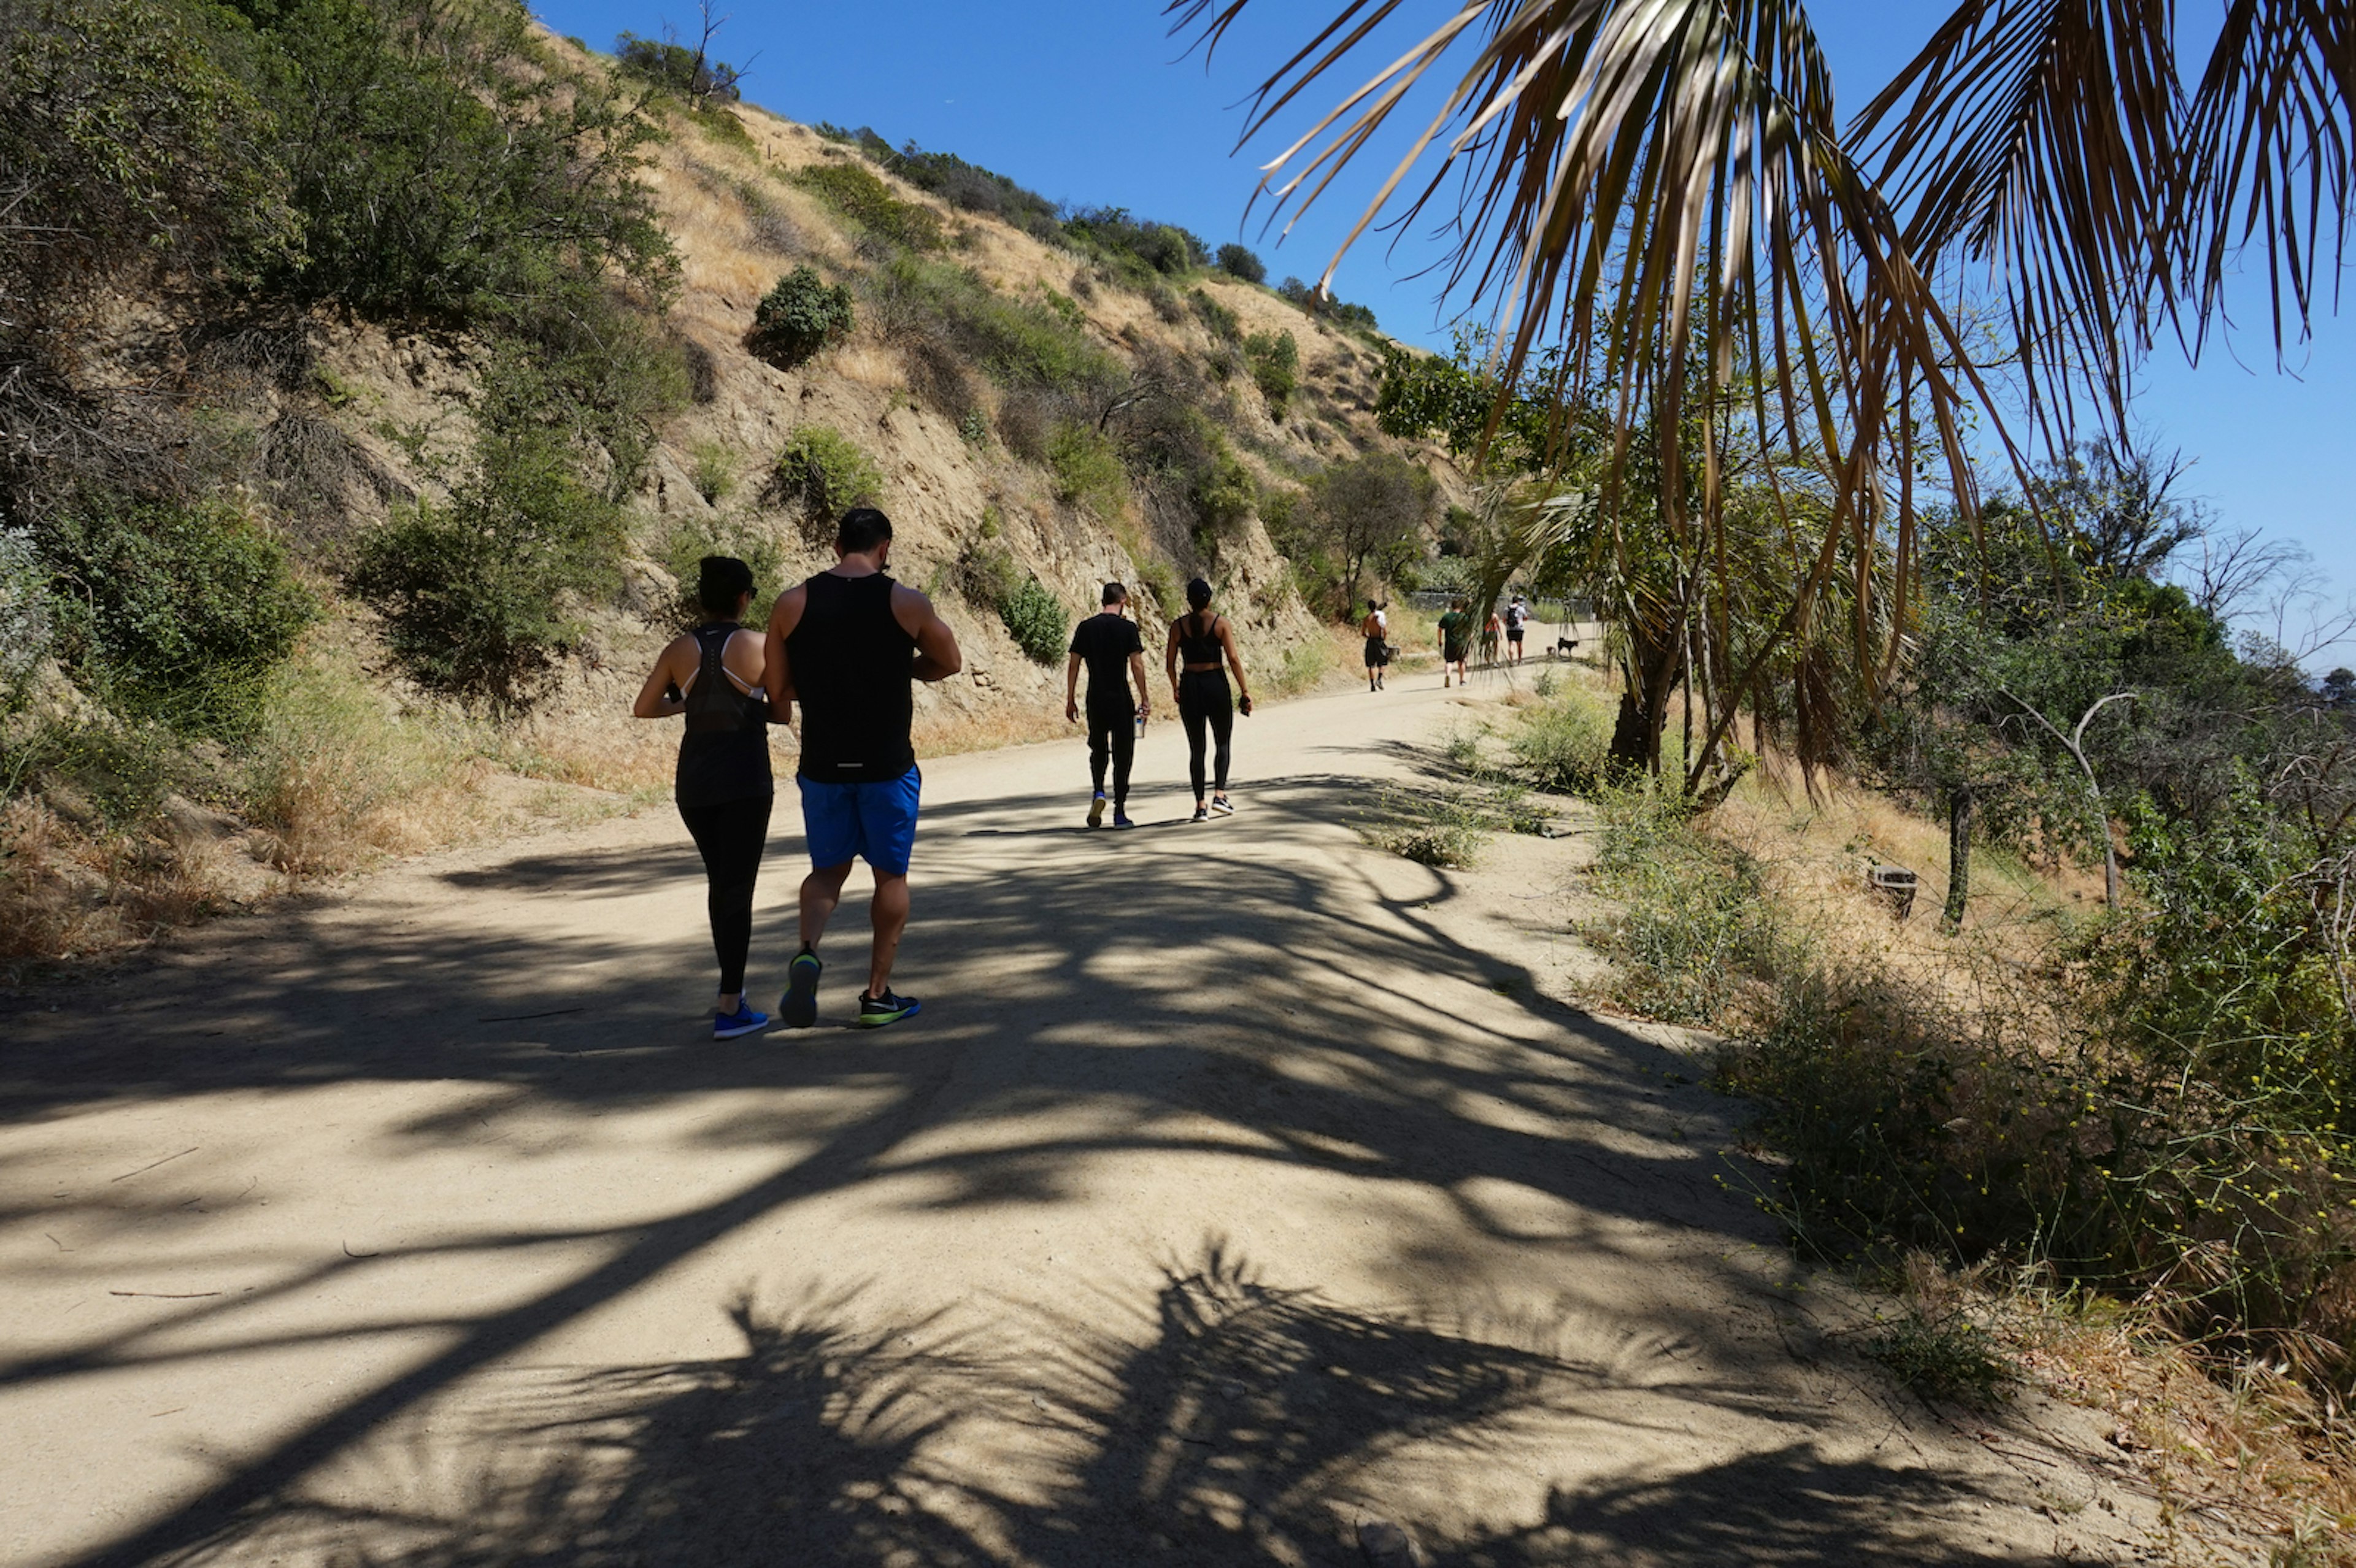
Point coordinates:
pixel 1095 810
pixel 874 1012
pixel 1120 819
pixel 741 1022
pixel 798 1008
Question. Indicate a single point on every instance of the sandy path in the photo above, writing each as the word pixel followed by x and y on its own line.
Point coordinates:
pixel 1238 1184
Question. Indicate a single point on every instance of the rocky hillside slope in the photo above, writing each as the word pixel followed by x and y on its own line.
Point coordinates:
pixel 1163 457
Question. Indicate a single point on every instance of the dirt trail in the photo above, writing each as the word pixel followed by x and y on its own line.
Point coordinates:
pixel 1239 1184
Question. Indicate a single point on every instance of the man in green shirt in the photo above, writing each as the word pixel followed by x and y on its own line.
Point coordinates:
pixel 1455 643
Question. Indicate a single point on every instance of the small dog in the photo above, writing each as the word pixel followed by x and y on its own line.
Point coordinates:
pixel 1567 647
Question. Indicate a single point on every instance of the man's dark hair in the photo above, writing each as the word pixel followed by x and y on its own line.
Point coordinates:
pixel 861 530
pixel 1115 593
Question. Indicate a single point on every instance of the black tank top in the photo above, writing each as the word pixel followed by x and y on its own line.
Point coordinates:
pixel 852 664
pixel 725 756
pixel 1203 649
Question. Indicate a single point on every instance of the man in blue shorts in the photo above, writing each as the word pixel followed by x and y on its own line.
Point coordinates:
pixel 848 644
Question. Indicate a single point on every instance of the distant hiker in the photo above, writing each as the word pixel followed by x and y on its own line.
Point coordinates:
pixel 1517 620
pixel 1455 643
pixel 714 675
pixel 846 644
pixel 1109 645
pixel 1377 629
pixel 1201 638
pixel 1493 634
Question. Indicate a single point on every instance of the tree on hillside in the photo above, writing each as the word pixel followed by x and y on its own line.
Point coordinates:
pixel 1372 512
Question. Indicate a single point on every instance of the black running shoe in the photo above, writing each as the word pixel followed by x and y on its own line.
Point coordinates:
pixel 798 1008
pixel 874 1012
pixel 1202 813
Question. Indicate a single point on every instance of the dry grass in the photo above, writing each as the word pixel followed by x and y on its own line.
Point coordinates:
pixel 2244 1462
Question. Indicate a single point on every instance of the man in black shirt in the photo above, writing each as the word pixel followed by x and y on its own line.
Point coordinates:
pixel 846 644
pixel 1109 645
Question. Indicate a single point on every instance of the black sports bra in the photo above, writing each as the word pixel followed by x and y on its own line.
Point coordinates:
pixel 1203 649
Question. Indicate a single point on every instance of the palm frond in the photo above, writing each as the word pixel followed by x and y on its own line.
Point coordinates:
pixel 1664 184
pixel 2036 137
pixel 2268 156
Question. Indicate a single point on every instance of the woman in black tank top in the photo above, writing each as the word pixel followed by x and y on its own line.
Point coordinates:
pixel 724 787
pixel 1202 650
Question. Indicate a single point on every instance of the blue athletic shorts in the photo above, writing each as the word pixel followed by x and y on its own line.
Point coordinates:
pixel 873 822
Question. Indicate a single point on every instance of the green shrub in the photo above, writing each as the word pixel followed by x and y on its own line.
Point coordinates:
pixel 1037 341
pixel 1695 938
pixel 1088 469
pixel 986 574
pixel 444 169
pixel 1035 619
pixel 1222 323
pixel 688 543
pixel 801 315
pixel 1139 252
pixel 1161 587
pixel 477 595
pixel 1275 361
pixel 825 472
pixel 1240 262
pixel 860 195
pixel 675 68
pixel 715 471
pixel 1563 745
pixel 1944 1357
pixel 174 612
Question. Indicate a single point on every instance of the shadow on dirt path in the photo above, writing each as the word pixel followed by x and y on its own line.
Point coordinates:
pixel 1220 1199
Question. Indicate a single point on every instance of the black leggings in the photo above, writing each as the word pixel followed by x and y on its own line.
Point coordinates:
pixel 1112 737
pixel 731 836
pixel 1203 700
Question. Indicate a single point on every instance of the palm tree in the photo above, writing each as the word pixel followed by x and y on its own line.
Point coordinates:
pixel 1665 184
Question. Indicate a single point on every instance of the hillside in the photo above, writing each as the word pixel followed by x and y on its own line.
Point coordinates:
pixel 1031 401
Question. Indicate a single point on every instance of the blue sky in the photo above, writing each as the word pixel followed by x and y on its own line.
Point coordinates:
pixel 1087 102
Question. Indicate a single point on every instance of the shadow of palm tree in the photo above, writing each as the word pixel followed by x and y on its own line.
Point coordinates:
pixel 1221 1421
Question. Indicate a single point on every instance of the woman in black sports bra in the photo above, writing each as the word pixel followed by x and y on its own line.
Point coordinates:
pixel 1202 639
pixel 725 788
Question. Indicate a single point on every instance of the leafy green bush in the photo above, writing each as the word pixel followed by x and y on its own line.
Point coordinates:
pixel 715 471
pixel 1223 322
pixel 801 315
pixel 971 188
pixel 861 195
pixel 825 472
pixel 1275 361
pixel 987 574
pixel 1563 745
pixel 1088 469
pixel 673 66
pixel 476 594
pixel 442 169
pixel 687 544
pixel 1159 585
pixel 1038 340
pixel 1240 262
pixel 173 611
pixel 1035 619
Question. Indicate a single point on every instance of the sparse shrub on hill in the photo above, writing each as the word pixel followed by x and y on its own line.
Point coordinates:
pixel 1087 468
pixel 1241 261
pixel 1275 361
pixel 1222 323
pixel 801 315
pixel 1038 340
pixel 439 167
pixel 174 611
pixel 860 195
pixel 478 595
pixel 1037 621
pixel 673 67
pixel 1139 252
pixel 826 472
pixel 748 541
pixel 970 187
